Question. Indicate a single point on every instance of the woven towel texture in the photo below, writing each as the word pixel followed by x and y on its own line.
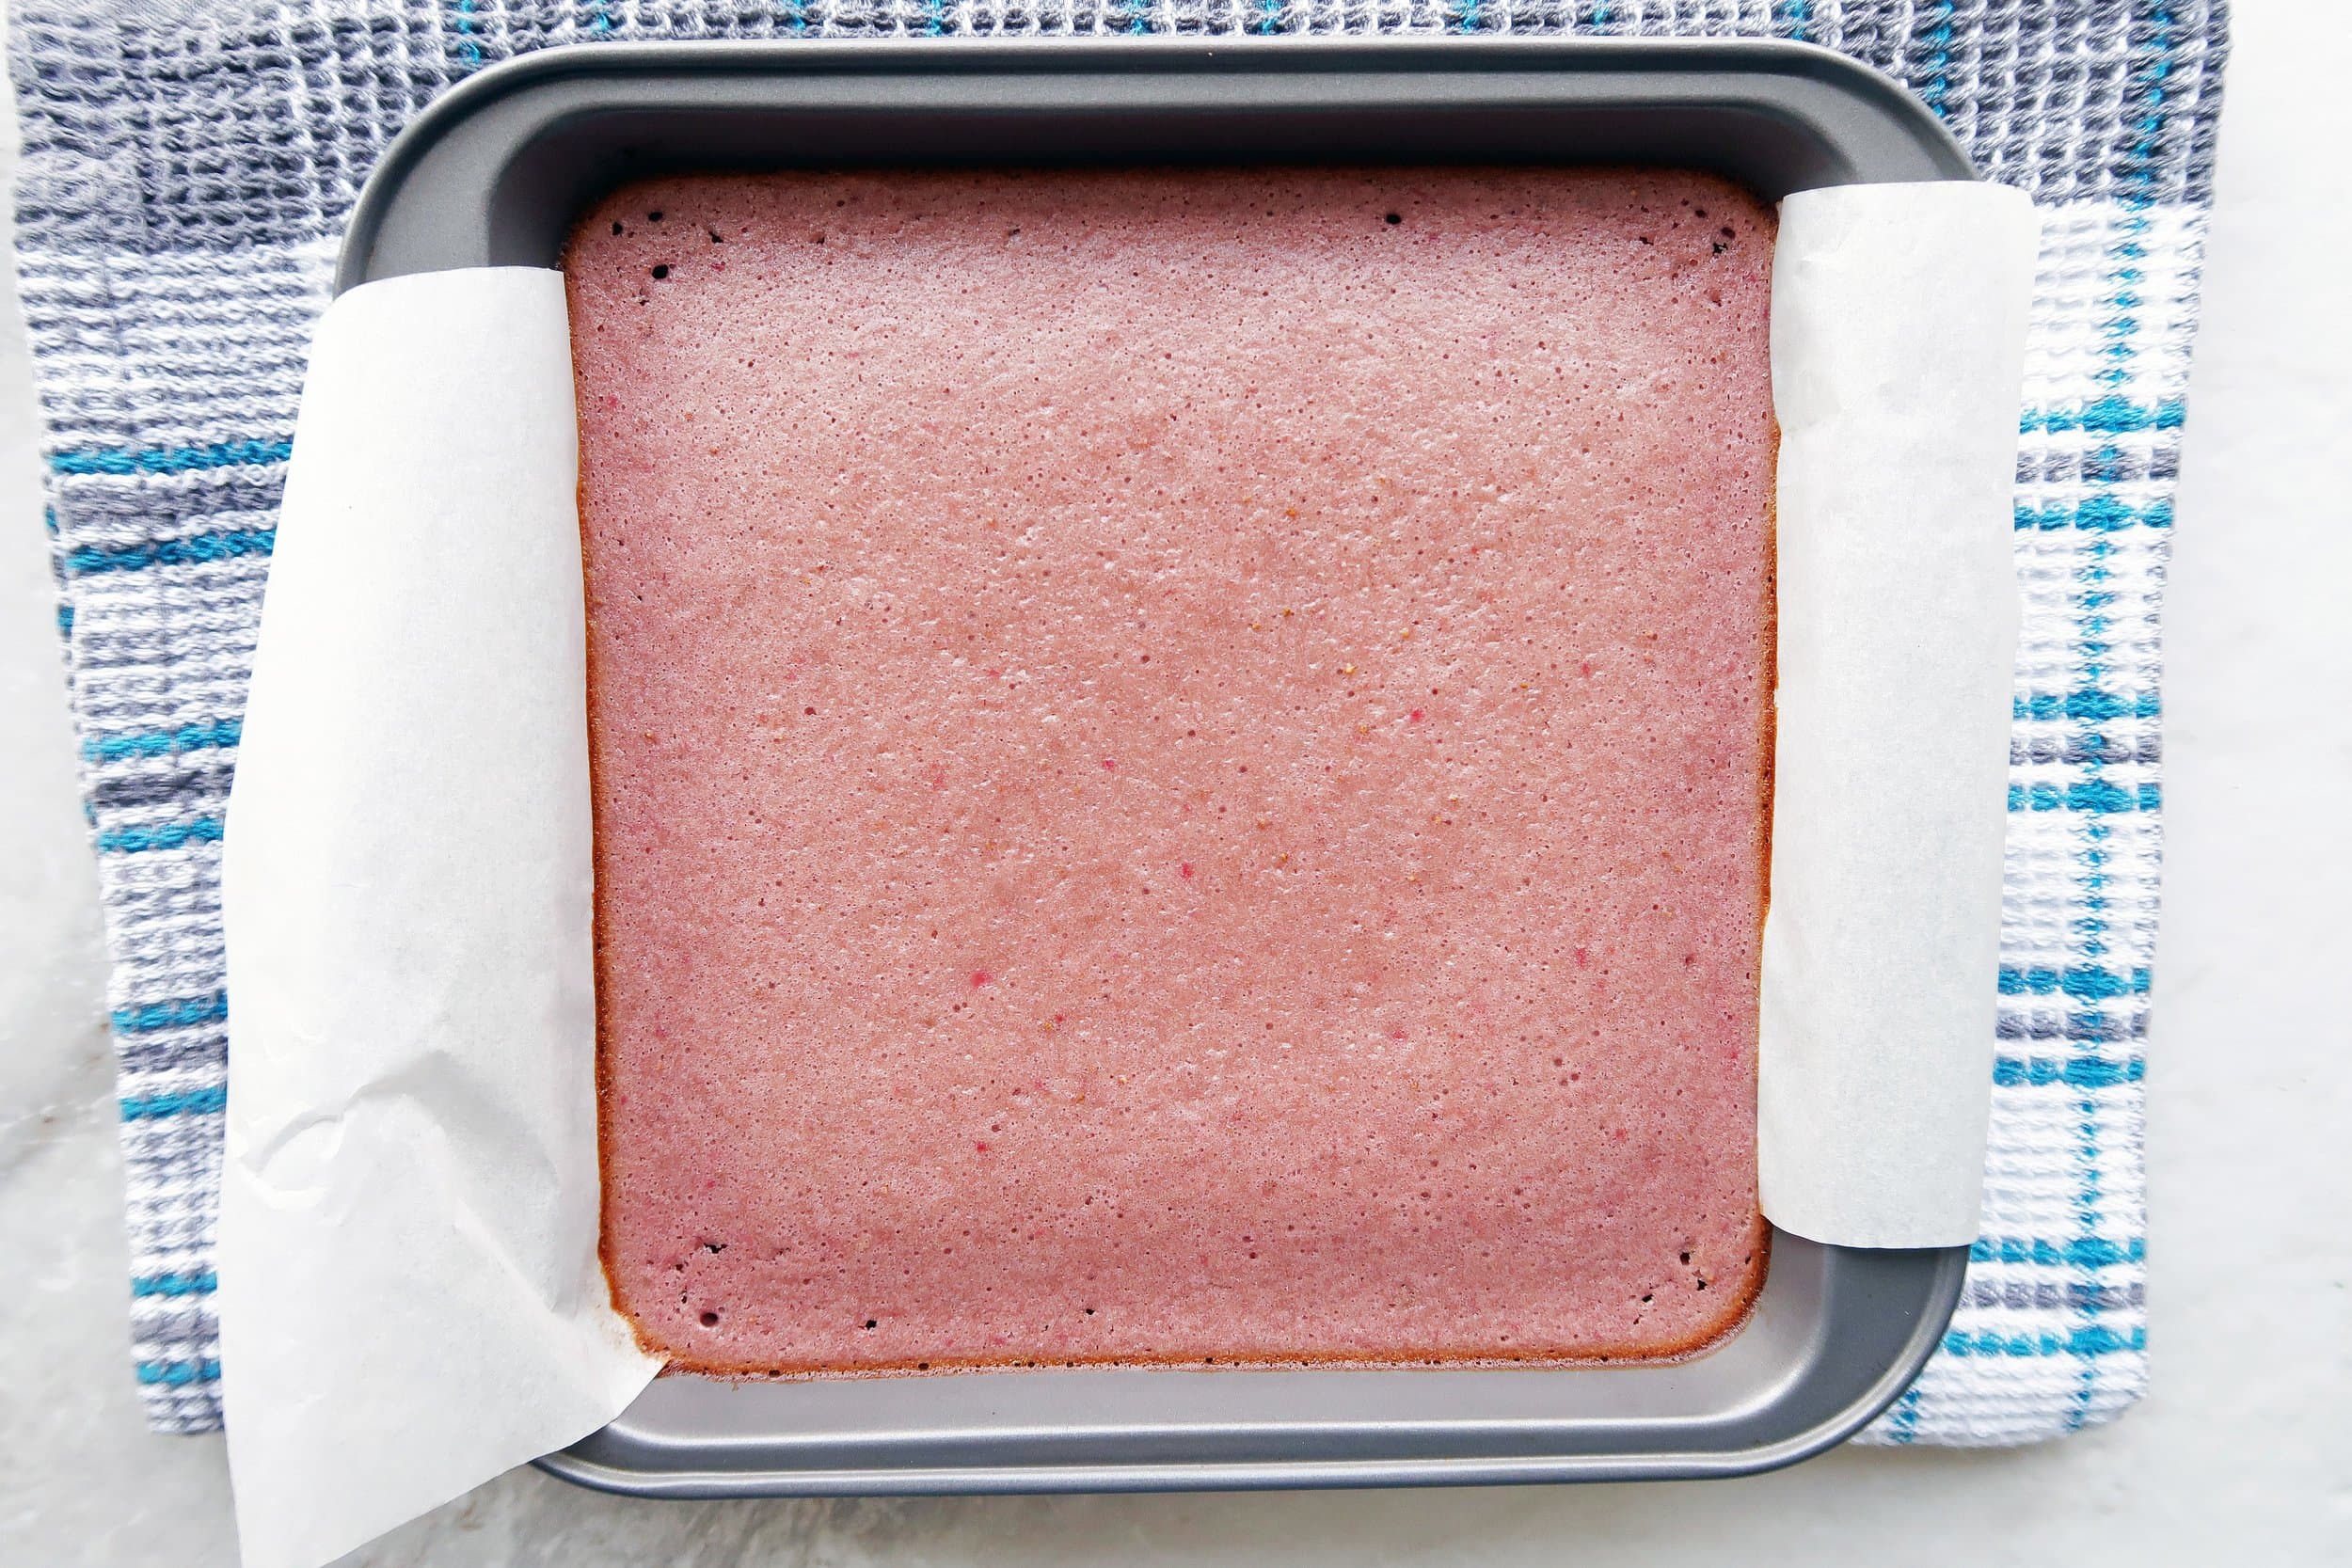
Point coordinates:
pixel 187 170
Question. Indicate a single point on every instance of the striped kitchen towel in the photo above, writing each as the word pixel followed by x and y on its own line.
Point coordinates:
pixel 187 169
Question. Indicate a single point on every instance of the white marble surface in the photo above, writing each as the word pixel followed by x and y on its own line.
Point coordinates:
pixel 2243 1452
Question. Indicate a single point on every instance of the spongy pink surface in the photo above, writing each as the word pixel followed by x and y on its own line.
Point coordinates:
pixel 1180 762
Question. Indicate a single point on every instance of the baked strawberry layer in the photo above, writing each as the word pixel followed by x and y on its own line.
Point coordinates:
pixel 1180 762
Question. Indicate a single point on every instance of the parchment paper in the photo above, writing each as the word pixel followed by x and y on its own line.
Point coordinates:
pixel 410 1295
pixel 1899 341
pixel 409 1287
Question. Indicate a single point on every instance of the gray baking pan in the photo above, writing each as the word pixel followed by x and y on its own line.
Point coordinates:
pixel 496 172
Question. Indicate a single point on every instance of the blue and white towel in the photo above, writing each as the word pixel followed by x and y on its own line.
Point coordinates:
pixel 187 170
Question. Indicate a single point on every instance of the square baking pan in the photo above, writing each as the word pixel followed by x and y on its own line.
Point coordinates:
pixel 496 172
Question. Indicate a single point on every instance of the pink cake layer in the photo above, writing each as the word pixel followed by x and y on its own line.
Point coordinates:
pixel 1181 763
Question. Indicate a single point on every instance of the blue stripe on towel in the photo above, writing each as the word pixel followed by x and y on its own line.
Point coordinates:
pixel 170 460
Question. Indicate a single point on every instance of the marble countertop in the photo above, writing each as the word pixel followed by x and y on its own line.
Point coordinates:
pixel 2242 1453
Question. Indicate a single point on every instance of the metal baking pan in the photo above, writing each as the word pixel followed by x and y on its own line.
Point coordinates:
pixel 494 174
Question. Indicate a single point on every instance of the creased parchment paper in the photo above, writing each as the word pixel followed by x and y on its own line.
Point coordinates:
pixel 1898 345
pixel 410 1294
pixel 409 1287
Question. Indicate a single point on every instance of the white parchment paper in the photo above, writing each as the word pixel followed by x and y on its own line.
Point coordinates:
pixel 410 1298
pixel 1899 341
pixel 409 1287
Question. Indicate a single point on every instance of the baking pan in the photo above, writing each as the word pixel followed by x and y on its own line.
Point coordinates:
pixel 496 173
